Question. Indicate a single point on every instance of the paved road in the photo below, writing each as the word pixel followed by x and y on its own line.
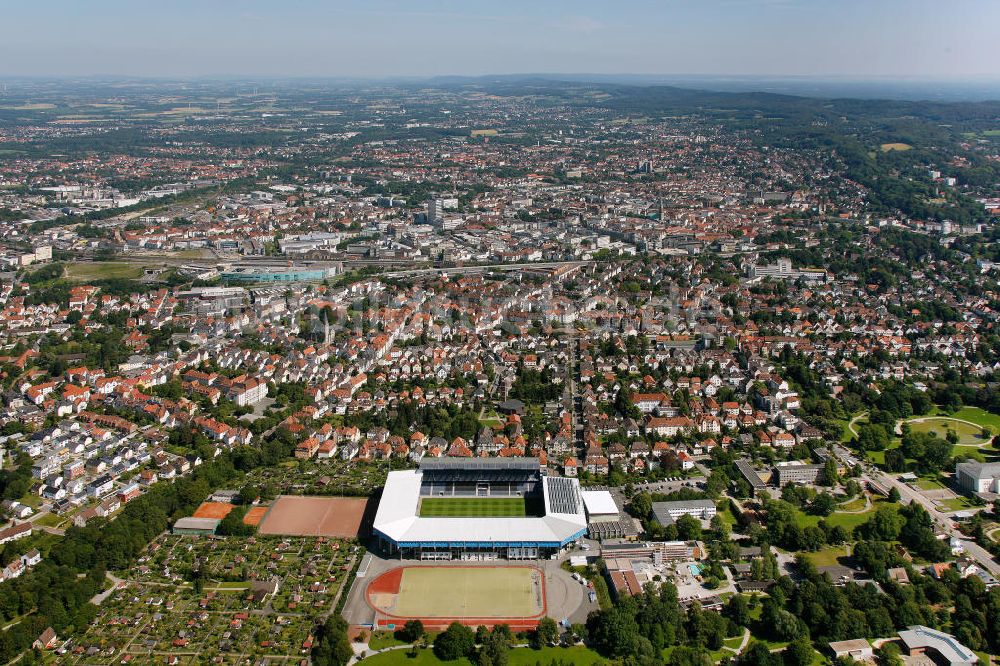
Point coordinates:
pixel 850 425
pixel 99 598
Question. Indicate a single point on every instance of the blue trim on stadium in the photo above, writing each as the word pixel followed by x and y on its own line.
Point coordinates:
pixel 481 544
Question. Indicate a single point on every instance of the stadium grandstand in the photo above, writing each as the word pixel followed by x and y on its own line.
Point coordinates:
pixel 478 509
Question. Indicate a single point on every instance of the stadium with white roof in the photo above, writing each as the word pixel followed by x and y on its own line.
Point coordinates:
pixel 472 509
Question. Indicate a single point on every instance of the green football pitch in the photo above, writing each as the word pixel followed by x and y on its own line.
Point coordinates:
pixel 473 507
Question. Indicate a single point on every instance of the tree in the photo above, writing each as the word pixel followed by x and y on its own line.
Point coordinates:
pixel 494 649
pixel 930 451
pixel 412 631
pixel 684 655
pixel 614 632
pixel 758 654
pixel 688 528
pixel 737 609
pixel 455 642
pixel 547 632
pixel 888 655
pixel 641 505
pixel 823 505
pixel 894 495
pixel 830 475
pixel 233 525
pixel 332 645
pixel 895 460
pixel 798 653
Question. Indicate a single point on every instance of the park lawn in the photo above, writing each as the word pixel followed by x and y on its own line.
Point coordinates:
pixel 980 417
pixel 727 516
pixel 402 657
pixel 383 639
pixel 955 503
pixel 576 654
pixel 32 499
pixel 846 520
pixel 969 435
pixel 855 504
pixel 827 557
pixel 50 520
pixel 232 585
pixel 931 483
pixel 101 270
pixel 771 645
pixel 878 457
pixel 982 454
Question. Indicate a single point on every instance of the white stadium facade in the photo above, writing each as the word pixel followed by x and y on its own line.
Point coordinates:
pixel 559 520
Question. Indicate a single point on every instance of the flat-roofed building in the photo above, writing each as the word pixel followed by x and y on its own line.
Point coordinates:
pixel 977 477
pixel 785 473
pixel 666 513
pixel 857 649
pixel 942 647
pixel 196 526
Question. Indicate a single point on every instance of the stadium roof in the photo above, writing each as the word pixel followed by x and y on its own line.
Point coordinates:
pixel 527 464
pixel 397 519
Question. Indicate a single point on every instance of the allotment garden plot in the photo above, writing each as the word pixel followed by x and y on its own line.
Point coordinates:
pixel 255 597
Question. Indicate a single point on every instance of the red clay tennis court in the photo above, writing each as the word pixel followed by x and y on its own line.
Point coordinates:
pixel 254 515
pixel 216 510
pixel 295 515
pixel 472 595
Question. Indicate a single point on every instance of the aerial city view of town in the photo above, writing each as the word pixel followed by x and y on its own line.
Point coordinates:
pixel 499 370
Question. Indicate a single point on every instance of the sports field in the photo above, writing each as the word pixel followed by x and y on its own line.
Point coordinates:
pixel 296 515
pixel 217 510
pixel 473 507
pixel 459 593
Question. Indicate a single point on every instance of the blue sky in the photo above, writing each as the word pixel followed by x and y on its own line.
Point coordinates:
pixel 953 39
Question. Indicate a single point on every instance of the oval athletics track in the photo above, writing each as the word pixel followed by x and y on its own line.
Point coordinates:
pixel 438 595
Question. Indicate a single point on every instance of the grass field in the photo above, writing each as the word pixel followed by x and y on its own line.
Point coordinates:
pixel 473 507
pixel 469 592
pixel 968 435
pixel 886 147
pixel 856 504
pixel 979 417
pixel 846 520
pixel 101 270
pixel 516 657
pixel 956 503
pixel 827 556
